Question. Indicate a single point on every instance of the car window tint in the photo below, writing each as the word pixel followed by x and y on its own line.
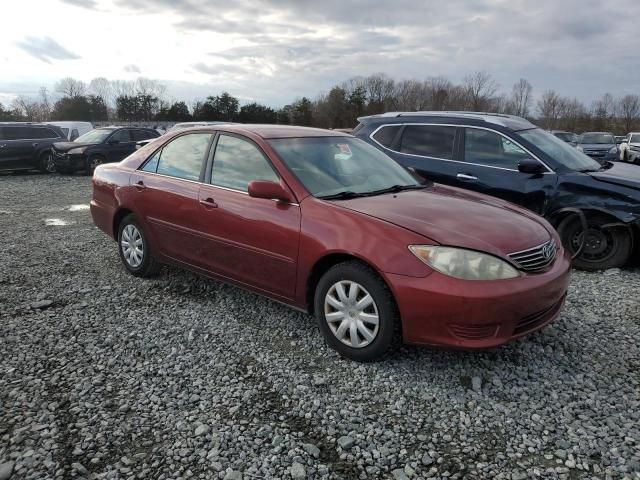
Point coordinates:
pixel 15 133
pixel 238 162
pixel 41 132
pixel 121 136
pixel 137 135
pixel 428 140
pixel 386 135
pixel 152 164
pixel 183 157
pixel 74 134
pixel 489 148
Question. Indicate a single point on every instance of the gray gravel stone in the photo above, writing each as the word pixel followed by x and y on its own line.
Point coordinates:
pixel 124 371
pixel 298 471
pixel 6 469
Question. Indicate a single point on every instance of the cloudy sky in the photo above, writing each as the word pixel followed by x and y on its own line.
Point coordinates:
pixel 275 50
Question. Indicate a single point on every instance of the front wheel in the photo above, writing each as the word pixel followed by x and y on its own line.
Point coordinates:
pixel 91 163
pixel 356 312
pixel 133 247
pixel 46 162
pixel 603 248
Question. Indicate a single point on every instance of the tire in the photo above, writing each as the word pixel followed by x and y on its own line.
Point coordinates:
pixel 137 261
pixel 92 162
pixel 382 338
pixel 625 156
pixel 46 164
pixel 603 249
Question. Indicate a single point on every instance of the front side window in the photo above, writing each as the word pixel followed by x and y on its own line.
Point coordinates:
pixel 182 157
pixel 488 148
pixel 428 140
pixel 15 133
pixel 386 135
pixel 121 136
pixel 238 162
pixel 41 132
pixel 634 138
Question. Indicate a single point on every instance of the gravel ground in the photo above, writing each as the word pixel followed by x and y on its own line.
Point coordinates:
pixel 103 375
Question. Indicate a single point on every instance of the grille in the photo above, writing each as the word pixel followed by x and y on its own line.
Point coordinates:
pixel 533 321
pixel 536 258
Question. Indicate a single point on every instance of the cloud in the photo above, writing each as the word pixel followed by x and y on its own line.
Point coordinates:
pixel 90 4
pixel 45 49
pixel 131 68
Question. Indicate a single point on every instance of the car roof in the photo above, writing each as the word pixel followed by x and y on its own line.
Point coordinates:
pixel 599 133
pixel 509 121
pixel 274 131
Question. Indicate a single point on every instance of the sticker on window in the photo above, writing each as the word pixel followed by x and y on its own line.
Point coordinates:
pixel 344 148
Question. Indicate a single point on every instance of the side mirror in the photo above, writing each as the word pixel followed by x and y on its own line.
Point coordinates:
pixel 529 165
pixel 268 190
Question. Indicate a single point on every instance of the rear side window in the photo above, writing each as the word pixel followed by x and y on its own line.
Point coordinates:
pixel 238 162
pixel 491 149
pixel 41 133
pixel 137 135
pixel 15 133
pixel 386 135
pixel 182 157
pixel 74 134
pixel 428 140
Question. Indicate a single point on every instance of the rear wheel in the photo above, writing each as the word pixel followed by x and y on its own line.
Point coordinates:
pixel 133 247
pixel 603 247
pixel 46 162
pixel 356 312
pixel 92 162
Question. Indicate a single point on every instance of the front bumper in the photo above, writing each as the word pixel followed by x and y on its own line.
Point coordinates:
pixel 64 161
pixel 439 310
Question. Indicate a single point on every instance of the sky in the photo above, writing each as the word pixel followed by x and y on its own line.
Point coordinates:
pixel 273 51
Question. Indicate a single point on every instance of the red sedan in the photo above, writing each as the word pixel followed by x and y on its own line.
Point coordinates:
pixel 325 223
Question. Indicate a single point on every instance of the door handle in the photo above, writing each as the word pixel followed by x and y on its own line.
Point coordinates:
pixel 140 185
pixel 35 144
pixel 208 202
pixel 2 145
pixel 464 176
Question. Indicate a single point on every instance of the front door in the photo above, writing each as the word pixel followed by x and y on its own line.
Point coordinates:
pixel 489 164
pixel 250 240
pixel 120 145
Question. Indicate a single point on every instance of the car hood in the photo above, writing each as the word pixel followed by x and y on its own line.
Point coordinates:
pixel 66 146
pixel 597 146
pixel 623 174
pixel 456 217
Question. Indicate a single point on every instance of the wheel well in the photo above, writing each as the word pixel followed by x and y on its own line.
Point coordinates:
pixel 117 218
pixel 558 216
pixel 321 267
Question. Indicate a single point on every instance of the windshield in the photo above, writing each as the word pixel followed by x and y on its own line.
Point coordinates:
pixel 332 165
pixel 634 138
pixel 592 138
pixel 94 136
pixel 563 153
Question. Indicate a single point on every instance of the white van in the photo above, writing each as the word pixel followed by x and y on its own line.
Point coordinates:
pixel 73 130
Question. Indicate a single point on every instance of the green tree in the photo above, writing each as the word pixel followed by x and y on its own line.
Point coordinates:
pixel 256 113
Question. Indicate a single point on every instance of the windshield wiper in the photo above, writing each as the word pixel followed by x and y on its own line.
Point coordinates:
pixel 396 189
pixel 345 195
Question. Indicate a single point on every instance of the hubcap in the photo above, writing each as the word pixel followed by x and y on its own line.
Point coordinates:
pixel 132 246
pixel 94 162
pixel 351 313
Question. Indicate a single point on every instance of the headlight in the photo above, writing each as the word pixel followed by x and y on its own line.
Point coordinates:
pixel 613 150
pixel 464 264
pixel 580 148
pixel 76 151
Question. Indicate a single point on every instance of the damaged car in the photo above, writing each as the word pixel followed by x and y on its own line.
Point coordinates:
pixel 594 206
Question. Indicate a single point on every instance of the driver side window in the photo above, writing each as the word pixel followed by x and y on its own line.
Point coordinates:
pixel 122 136
pixel 484 147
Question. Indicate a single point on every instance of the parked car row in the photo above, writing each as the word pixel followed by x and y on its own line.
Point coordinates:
pixel 604 146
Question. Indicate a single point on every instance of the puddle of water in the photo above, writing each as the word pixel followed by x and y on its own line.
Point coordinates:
pixel 78 208
pixel 55 222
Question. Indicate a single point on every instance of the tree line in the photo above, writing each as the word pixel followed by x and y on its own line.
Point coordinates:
pixel 146 100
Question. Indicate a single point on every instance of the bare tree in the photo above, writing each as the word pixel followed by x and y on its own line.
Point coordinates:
pixel 603 111
pixel 29 107
pixel 629 111
pixel 70 87
pixel 101 87
pixel 409 95
pixel 480 89
pixel 549 107
pixel 45 104
pixel 520 100
pixel 438 91
pixel 379 90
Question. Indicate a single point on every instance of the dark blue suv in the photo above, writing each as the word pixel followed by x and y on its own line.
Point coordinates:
pixel 594 207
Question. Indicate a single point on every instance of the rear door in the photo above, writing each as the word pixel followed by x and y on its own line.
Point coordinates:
pixel 489 164
pixel 7 155
pixel 167 189
pixel 18 149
